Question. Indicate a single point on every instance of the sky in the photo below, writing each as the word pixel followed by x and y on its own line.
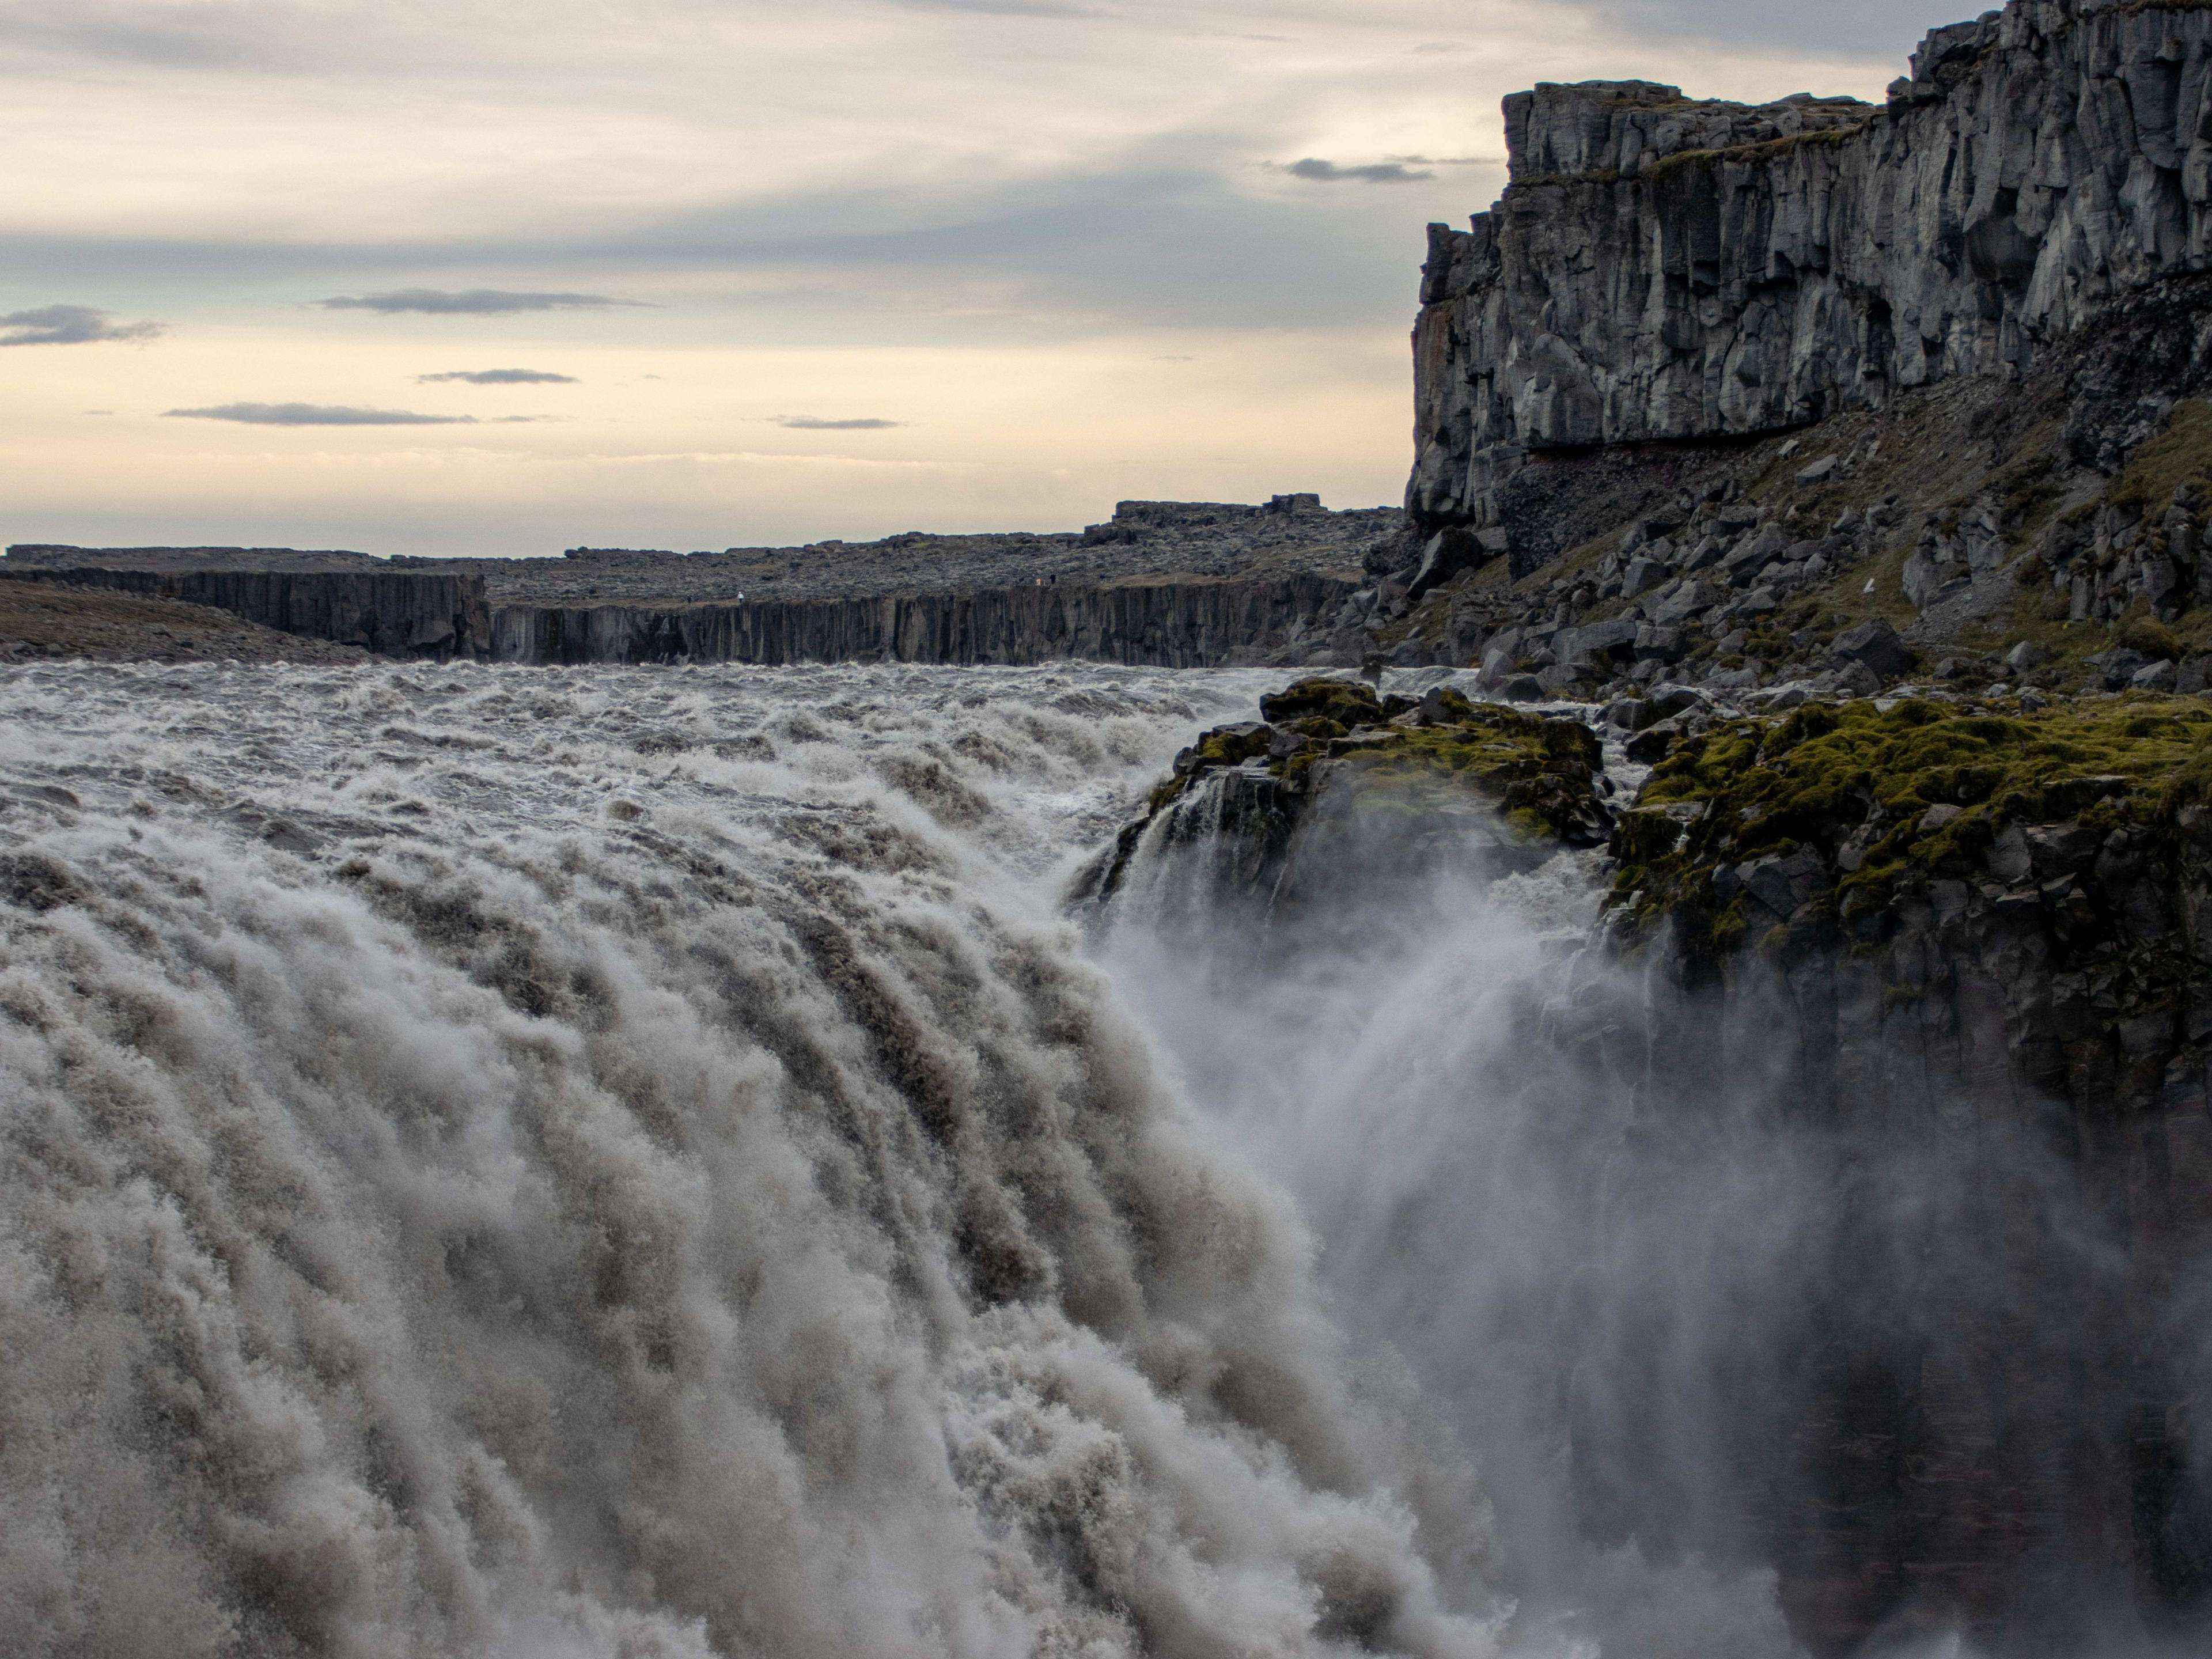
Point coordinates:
pixel 506 276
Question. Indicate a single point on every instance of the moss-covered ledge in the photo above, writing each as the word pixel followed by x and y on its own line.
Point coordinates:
pixel 1403 759
pixel 1542 775
pixel 2087 819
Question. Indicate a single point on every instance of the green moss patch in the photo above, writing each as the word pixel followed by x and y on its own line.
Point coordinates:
pixel 1540 773
pixel 1917 791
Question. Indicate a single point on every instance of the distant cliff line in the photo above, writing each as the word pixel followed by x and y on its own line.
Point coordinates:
pixel 1195 624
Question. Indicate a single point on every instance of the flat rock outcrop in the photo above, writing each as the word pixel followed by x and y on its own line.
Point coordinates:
pixel 1662 268
pixel 1288 535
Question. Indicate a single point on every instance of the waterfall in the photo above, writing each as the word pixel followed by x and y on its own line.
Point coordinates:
pixel 635 1163
pixel 1414 1034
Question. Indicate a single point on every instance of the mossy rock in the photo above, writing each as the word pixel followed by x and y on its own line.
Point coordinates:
pixel 1540 772
pixel 1918 791
pixel 1348 702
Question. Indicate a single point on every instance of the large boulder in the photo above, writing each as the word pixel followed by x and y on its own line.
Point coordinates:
pixel 1876 646
pixel 1449 552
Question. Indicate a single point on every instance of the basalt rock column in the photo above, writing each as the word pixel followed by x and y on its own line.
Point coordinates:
pixel 1664 269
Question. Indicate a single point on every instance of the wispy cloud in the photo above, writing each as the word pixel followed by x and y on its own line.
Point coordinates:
pixel 499 377
pixel 1375 173
pixel 317 415
pixel 469 302
pixel 1006 8
pixel 69 326
pixel 816 423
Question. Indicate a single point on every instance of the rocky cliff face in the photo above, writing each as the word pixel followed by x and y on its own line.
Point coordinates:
pixel 1973 957
pixel 1951 969
pixel 1189 624
pixel 1665 269
pixel 399 616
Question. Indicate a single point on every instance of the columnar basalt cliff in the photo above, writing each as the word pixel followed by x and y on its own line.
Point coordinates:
pixel 1188 624
pixel 1665 269
pixel 392 615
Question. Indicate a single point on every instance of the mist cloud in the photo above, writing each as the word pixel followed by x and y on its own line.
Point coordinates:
pixel 317 415
pixel 69 326
pixel 469 302
pixel 499 377
pixel 816 423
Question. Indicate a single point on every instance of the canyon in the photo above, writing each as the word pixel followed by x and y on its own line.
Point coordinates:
pixel 1801 598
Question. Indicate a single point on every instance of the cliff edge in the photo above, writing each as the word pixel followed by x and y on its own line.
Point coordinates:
pixel 1664 269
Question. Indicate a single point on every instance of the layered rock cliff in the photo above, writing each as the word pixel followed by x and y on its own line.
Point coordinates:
pixel 392 615
pixel 1169 624
pixel 1663 269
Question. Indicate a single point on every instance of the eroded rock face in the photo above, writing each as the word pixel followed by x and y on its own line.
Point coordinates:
pixel 1188 624
pixel 1662 268
pixel 408 615
pixel 1971 959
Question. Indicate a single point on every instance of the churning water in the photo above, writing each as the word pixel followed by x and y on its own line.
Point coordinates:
pixel 638 1162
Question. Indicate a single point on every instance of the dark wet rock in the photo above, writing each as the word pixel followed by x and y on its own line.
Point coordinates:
pixel 1967 945
pixel 1875 644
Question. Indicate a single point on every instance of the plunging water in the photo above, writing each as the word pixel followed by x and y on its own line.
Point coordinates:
pixel 637 1162
pixel 633 1162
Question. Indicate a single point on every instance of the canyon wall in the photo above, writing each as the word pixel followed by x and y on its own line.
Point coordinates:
pixel 393 615
pixel 1190 624
pixel 1663 269
pixel 1167 625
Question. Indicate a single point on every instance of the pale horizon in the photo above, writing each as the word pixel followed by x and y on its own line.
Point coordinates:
pixel 479 278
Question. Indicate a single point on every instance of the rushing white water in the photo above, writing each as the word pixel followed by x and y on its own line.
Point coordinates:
pixel 1410 1027
pixel 633 1162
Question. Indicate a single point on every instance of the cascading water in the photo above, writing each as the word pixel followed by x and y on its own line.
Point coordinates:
pixel 617 1162
pixel 1406 1024
pixel 636 1163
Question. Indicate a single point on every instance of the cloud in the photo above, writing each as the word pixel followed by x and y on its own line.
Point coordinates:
pixel 317 415
pixel 499 377
pixel 816 423
pixel 69 326
pixel 469 302
pixel 1006 8
pixel 1375 172
pixel 1437 48
pixel 1885 30
pixel 1449 161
